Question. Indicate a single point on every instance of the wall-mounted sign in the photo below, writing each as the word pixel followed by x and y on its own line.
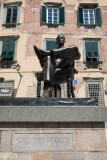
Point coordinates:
pixel 75 82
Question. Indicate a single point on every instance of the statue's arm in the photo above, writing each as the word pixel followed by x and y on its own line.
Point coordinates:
pixel 40 52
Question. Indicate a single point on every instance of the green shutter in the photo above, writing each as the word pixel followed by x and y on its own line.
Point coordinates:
pixel 98 16
pixel 11 50
pixel 61 15
pixel 8 18
pixel 92 50
pixel 14 16
pixel 12 13
pixel 4 49
pixel 88 47
pixel 80 15
pixel 8 49
pixel 55 45
pixel 48 45
pixel 43 14
pixel 95 49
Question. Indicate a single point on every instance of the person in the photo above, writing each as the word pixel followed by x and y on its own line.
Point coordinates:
pixel 62 59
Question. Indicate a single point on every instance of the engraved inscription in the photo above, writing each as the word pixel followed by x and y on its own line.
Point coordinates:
pixel 42 142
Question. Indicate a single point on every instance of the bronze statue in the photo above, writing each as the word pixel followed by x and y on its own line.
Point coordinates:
pixel 58 66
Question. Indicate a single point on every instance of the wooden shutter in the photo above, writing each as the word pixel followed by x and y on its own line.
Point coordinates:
pixel 12 13
pixel 92 49
pixel 14 16
pixel 62 15
pixel 88 47
pixel 95 49
pixel 98 16
pixel 11 51
pixel 43 14
pixel 55 45
pixel 80 15
pixel 4 49
pixel 51 44
pixel 9 13
pixel 48 45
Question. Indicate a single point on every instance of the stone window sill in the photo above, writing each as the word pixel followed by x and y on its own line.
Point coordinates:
pixel 92 65
pixel 10 25
pixel 7 64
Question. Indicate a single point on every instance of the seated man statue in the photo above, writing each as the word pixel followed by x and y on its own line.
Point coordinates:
pixel 58 66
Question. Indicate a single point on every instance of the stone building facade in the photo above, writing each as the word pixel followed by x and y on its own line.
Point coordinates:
pixel 28 22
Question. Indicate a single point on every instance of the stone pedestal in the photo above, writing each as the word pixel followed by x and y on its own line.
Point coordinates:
pixel 53 132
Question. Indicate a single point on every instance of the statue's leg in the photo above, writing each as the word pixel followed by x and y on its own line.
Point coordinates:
pixel 39 78
pixel 69 86
pixel 70 78
pixel 49 69
pixel 72 90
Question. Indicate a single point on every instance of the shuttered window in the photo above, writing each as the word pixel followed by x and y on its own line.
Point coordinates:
pixel 89 16
pixel 12 13
pixel 95 90
pixel 8 50
pixel 50 45
pixel 52 15
pixel 92 52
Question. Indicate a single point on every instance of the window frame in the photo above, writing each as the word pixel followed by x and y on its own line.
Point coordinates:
pixel 88 17
pixel 11 5
pixel 7 52
pixel 53 15
pixel 44 14
pixel 92 41
pixel 6 64
pixel 52 40
pixel 11 17
pixel 97 14
pixel 11 86
pixel 92 64
pixel 95 81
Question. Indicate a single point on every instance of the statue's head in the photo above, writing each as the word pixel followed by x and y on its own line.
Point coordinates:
pixel 60 39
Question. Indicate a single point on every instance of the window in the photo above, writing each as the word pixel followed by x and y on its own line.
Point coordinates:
pixel 89 16
pixel 6 88
pixel 92 57
pixel 8 50
pixel 92 52
pixel 12 13
pixel 95 90
pixel 11 10
pixel 51 44
pixel 52 15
